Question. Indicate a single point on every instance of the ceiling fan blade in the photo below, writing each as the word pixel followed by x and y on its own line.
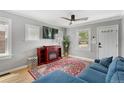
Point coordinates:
pixel 85 18
pixel 66 18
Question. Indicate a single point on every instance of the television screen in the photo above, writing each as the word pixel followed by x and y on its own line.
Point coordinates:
pixel 49 33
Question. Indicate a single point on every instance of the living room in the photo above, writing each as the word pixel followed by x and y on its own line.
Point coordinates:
pixel 40 45
pixel 61 46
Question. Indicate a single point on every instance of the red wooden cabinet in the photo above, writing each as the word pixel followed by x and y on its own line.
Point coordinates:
pixel 48 54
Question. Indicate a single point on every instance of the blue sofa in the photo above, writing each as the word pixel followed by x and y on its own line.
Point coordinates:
pixel 94 73
pixel 59 77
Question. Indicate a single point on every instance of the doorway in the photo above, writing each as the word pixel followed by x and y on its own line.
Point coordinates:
pixel 107 43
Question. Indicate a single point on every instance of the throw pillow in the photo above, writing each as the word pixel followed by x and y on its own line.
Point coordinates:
pixel 97 60
pixel 106 61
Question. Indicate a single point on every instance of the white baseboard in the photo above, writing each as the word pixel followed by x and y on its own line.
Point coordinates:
pixel 14 69
pixel 88 59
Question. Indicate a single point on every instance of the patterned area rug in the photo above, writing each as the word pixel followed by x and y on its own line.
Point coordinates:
pixel 72 66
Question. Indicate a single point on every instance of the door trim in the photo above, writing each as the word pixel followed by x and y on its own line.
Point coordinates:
pixel 114 26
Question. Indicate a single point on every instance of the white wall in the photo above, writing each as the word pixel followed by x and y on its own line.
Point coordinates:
pixel 74 48
pixel 22 49
pixel 122 38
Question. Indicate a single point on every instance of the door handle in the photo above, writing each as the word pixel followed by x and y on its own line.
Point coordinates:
pixel 100 45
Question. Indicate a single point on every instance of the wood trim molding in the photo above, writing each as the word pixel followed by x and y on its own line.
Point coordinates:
pixel 14 69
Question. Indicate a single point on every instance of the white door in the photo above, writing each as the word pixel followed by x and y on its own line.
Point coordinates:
pixel 107 41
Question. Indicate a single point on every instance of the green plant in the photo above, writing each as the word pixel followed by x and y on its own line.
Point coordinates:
pixel 66 44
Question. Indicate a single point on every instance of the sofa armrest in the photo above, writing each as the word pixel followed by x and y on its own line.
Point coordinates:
pixel 118 77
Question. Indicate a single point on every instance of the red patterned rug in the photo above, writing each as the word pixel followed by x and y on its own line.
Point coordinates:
pixel 72 66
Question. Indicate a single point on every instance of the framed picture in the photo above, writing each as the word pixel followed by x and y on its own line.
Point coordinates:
pixel 32 32
pixel 49 33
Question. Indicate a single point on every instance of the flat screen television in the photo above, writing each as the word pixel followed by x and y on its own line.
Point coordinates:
pixel 49 33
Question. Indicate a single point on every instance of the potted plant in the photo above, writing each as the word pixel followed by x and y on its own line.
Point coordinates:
pixel 66 44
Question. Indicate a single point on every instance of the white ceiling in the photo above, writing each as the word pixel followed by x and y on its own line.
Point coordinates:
pixel 54 16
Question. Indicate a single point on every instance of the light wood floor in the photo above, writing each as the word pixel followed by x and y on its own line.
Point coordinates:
pixel 20 76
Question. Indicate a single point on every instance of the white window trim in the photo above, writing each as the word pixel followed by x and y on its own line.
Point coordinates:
pixel 9 40
pixel 89 32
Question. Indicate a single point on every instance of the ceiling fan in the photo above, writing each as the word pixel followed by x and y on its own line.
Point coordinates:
pixel 72 19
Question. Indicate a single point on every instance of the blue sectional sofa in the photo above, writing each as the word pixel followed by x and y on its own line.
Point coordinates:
pixel 59 77
pixel 101 71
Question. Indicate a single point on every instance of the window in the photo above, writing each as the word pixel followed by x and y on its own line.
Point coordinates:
pixel 84 39
pixel 5 40
pixel 32 32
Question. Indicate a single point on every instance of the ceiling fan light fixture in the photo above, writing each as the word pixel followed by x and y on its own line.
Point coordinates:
pixel 72 19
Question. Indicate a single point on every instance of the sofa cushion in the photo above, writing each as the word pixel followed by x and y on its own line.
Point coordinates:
pixel 106 61
pixel 116 65
pixel 59 77
pixel 99 67
pixel 118 77
pixel 92 76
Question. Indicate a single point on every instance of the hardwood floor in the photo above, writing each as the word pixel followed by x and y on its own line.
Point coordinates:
pixel 20 76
